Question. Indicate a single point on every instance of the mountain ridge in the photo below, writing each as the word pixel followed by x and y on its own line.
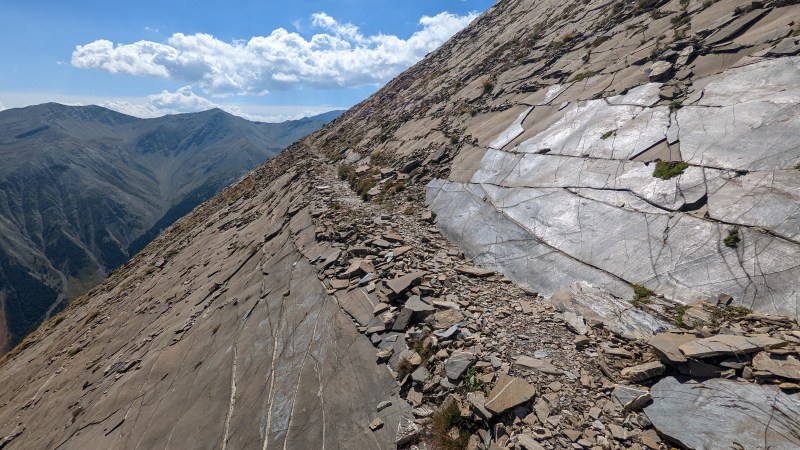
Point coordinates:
pixel 85 187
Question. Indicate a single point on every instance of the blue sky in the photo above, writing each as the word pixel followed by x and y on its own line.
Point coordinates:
pixel 264 60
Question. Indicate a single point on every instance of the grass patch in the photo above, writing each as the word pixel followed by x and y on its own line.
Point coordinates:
pixel 732 240
pixel 608 134
pixel 677 319
pixel 641 295
pixel 472 383
pixel 666 170
pixel 675 105
pixel 488 85
pixel 583 76
pixel 445 420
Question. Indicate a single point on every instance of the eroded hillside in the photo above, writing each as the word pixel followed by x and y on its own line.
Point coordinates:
pixel 84 188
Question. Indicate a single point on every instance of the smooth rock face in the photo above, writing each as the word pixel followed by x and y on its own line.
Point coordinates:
pixel 720 414
pixel 569 203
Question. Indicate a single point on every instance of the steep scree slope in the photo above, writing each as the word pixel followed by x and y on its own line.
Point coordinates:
pixel 229 330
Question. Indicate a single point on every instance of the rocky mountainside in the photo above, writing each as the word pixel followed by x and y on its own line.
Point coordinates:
pixel 569 227
pixel 83 188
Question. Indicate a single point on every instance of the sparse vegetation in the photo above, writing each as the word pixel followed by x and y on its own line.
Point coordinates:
pixel 675 105
pixel 641 295
pixel 448 431
pixel 472 383
pixel 488 85
pixel 580 76
pixel 732 240
pixel 454 140
pixel 91 316
pixel 677 319
pixel 666 170
pixel 608 134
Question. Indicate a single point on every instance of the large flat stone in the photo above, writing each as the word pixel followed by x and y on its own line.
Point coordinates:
pixel 719 414
pixel 786 366
pixel 724 344
pixel 509 392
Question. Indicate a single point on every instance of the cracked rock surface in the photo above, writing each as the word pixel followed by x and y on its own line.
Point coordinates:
pixel 575 199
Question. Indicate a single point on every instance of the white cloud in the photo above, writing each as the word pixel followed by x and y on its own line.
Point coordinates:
pixel 2 107
pixel 184 100
pixel 340 57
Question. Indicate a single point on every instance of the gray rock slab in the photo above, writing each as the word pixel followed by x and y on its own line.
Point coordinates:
pixel 726 344
pixel 786 366
pixel 630 398
pixel 510 133
pixel 540 365
pixel 617 315
pixel 719 413
pixel 789 46
pixel 401 284
pixel 457 364
pixel 734 28
pixel 765 133
pixel 358 304
pixel 509 392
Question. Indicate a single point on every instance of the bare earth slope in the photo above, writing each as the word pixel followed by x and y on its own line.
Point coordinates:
pixel 83 188
pixel 289 309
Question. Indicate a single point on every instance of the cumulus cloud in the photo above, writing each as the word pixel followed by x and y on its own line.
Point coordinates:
pixel 340 56
pixel 185 100
pixel 2 107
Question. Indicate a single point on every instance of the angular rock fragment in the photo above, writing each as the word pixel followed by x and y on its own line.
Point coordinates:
pixel 401 284
pixel 644 371
pixel 630 398
pixel 666 346
pixel 457 364
pixel 508 393
pixel 537 364
pixel 786 366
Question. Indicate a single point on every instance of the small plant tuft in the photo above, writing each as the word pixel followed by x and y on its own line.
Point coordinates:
pixel 675 105
pixel 583 76
pixel 608 134
pixel 488 85
pixel 666 170
pixel 732 240
pixel 445 420
pixel 641 295
pixel 677 319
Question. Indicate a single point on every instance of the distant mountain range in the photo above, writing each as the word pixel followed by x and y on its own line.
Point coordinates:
pixel 84 188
